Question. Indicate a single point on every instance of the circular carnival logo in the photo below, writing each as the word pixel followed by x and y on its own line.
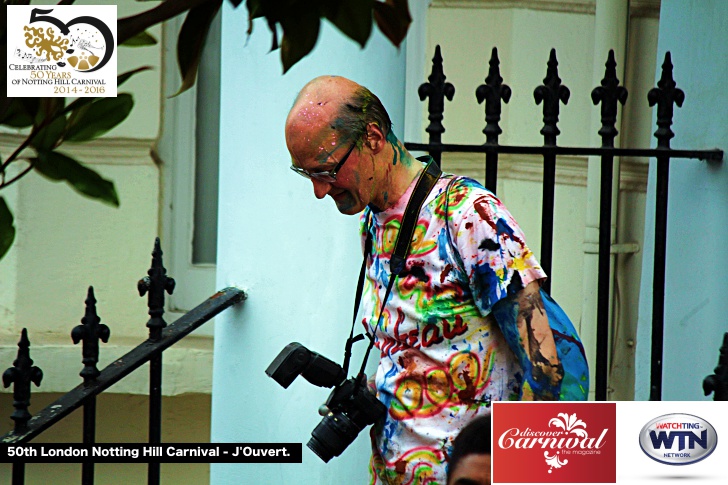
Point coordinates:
pixel 86 42
pixel 678 439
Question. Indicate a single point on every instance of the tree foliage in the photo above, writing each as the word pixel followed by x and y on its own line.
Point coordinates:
pixel 294 27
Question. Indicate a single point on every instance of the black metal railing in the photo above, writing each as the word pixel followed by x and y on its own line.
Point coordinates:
pixel 551 94
pixel 161 337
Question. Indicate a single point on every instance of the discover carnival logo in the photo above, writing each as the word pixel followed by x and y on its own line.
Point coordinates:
pixel 61 50
pixel 678 439
pixel 562 443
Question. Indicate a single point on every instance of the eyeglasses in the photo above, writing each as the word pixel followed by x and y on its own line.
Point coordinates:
pixel 329 176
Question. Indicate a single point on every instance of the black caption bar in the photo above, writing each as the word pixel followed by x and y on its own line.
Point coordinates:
pixel 146 453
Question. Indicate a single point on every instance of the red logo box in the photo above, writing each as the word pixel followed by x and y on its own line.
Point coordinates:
pixel 554 442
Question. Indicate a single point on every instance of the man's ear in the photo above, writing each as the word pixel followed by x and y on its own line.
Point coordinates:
pixel 375 138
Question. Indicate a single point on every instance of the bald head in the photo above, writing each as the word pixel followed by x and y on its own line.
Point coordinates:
pixel 334 105
pixel 334 119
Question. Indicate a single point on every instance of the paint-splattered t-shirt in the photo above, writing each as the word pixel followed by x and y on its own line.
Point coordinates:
pixel 443 356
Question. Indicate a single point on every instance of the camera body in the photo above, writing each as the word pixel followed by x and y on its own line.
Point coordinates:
pixel 350 407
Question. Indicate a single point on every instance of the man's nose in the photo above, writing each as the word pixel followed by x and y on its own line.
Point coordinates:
pixel 320 188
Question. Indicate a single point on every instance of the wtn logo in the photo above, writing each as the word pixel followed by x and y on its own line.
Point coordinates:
pixel 678 439
pixel 665 439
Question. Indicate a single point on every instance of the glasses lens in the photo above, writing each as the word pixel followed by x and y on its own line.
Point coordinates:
pixel 300 171
pixel 323 177
pixel 320 176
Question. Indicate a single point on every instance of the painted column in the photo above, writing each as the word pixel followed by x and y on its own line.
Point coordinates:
pixel 696 268
pixel 297 257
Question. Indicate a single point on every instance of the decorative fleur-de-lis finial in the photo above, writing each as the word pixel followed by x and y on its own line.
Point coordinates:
pixel 436 90
pixel 492 92
pixel 90 331
pixel 21 375
pixel 664 95
pixel 156 284
pixel 551 92
pixel 609 93
pixel 718 382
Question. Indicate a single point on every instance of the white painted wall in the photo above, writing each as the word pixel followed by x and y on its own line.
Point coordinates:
pixel 695 303
pixel 296 256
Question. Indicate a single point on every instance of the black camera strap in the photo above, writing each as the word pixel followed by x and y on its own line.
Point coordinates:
pixel 425 183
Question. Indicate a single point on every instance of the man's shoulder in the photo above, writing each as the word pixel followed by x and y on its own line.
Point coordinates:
pixel 463 184
pixel 462 191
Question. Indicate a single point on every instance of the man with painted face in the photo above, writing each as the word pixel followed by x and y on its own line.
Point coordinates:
pixel 466 322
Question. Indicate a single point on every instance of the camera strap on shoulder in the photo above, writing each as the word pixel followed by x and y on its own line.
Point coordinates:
pixel 427 179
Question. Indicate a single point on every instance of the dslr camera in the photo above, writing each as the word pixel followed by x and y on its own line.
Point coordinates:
pixel 350 407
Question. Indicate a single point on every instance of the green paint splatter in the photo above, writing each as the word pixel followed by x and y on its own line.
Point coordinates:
pixel 397 148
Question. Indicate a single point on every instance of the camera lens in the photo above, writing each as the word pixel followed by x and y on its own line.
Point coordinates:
pixel 332 435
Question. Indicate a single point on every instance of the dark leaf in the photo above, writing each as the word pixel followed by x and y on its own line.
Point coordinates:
pixel 57 166
pixel 140 40
pixel 100 116
pixel 47 137
pixel 70 51
pixel 79 103
pixel 7 229
pixel 353 18
pixel 393 19
pixel 48 109
pixel 122 78
pixel 274 34
pixel 21 112
pixel 191 41
pixel 255 9
pixel 300 33
pixel 61 64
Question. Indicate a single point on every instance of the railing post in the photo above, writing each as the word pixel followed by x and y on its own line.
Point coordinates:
pixel 718 382
pixel 436 90
pixel 21 375
pixel 608 94
pixel 155 284
pixel 90 331
pixel 664 96
pixel 551 92
pixel 492 92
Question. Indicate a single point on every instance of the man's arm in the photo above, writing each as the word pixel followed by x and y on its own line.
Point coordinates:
pixel 523 321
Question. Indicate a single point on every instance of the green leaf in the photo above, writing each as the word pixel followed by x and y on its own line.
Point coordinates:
pixel 122 78
pixel 7 229
pixel 254 11
pixel 47 137
pixel 191 41
pixel 100 116
pixel 48 109
pixel 57 166
pixel 21 112
pixel 353 18
pixel 393 19
pixel 140 40
pixel 300 33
